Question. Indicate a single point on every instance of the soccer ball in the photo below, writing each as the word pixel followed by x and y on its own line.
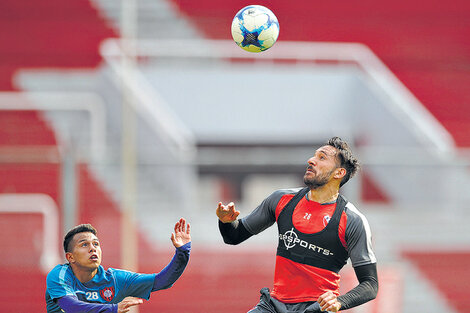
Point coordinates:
pixel 255 28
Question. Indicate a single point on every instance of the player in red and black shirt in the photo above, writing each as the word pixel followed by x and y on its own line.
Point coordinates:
pixel 318 231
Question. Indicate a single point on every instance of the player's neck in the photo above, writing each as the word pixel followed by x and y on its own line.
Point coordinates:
pixel 324 194
pixel 84 275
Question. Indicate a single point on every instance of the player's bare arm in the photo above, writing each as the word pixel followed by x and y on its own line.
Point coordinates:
pixel 227 213
pixel 182 233
pixel 128 302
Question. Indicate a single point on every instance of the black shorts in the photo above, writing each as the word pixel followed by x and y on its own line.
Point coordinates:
pixel 270 305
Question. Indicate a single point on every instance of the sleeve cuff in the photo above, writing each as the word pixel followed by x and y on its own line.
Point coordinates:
pixel 184 248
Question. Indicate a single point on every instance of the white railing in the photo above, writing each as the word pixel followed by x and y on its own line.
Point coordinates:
pixel 148 103
pixel 87 102
pixel 403 103
pixel 46 206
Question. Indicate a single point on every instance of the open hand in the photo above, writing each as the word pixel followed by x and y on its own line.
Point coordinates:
pixel 127 302
pixel 182 234
pixel 227 214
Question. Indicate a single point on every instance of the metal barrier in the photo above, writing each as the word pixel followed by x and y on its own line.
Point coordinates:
pixel 63 101
pixel 46 206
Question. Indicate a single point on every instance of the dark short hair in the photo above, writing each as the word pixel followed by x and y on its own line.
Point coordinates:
pixel 345 157
pixel 82 228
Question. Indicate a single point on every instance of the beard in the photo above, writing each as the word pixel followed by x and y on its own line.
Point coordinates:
pixel 317 181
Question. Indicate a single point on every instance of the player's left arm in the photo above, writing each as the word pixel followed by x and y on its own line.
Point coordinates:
pixel 365 291
pixel 358 237
pixel 71 304
pixel 181 239
pixel 362 293
pixel 359 244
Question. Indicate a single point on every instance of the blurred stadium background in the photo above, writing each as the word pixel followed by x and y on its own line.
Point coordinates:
pixel 130 114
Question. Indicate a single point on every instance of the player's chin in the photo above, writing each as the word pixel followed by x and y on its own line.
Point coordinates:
pixel 308 178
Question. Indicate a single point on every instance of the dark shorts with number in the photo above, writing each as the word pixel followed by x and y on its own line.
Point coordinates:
pixel 270 305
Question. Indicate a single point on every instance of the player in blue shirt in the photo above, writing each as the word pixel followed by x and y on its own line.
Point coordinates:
pixel 82 284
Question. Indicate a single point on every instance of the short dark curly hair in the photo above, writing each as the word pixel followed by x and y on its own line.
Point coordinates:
pixel 345 157
pixel 82 228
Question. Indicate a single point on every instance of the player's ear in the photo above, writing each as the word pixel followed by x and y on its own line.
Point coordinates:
pixel 340 172
pixel 69 257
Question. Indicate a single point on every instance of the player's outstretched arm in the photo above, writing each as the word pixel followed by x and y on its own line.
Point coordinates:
pixel 181 239
pixel 233 232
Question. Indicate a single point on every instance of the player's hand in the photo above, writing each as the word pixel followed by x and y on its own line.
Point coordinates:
pixel 127 302
pixel 182 234
pixel 329 302
pixel 227 213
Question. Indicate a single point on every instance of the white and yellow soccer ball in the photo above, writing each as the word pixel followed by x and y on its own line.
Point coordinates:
pixel 255 28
